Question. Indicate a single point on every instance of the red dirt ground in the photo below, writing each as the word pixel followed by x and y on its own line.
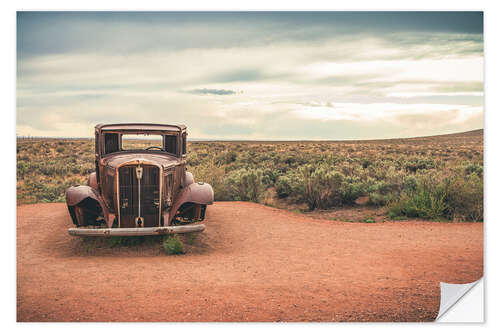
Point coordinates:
pixel 253 263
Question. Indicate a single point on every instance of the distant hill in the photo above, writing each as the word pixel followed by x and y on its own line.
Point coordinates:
pixel 478 132
pixel 476 135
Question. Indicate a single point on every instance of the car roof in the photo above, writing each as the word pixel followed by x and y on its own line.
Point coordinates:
pixel 140 127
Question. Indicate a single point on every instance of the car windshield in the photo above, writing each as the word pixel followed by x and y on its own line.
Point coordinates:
pixel 167 142
pixel 142 142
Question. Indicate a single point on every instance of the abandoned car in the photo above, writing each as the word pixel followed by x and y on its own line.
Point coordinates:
pixel 140 185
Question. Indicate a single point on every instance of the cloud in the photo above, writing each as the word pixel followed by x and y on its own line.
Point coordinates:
pixel 304 75
pixel 206 91
pixel 238 76
pixel 131 32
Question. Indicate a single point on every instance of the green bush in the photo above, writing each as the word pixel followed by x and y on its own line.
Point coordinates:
pixel 377 199
pixel 427 205
pixel 465 198
pixel 410 183
pixel 471 168
pixel 453 198
pixel 419 164
pixel 22 169
pixel 288 185
pixel 173 245
pixel 226 157
pixel 284 186
pixel 246 185
pixel 193 159
pixel 269 177
pixel 320 186
pixel 350 190
pixel 48 192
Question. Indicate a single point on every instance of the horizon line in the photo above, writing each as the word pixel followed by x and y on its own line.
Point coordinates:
pixel 27 137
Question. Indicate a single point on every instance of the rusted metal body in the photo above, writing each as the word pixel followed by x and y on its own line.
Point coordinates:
pixel 143 191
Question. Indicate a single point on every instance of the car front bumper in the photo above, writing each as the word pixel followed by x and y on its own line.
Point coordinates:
pixel 108 232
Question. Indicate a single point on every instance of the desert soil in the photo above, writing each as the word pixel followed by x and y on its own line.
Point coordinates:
pixel 253 263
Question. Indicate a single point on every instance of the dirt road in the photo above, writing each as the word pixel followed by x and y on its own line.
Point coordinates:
pixel 253 263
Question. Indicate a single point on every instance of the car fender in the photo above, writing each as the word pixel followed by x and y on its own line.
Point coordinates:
pixel 189 179
pixel 92 182
pixel 198 193
pixel 77 194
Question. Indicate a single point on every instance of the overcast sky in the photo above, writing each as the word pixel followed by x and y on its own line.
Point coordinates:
pixel 252 75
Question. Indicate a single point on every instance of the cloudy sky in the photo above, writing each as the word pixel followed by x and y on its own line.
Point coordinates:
pixel 252 75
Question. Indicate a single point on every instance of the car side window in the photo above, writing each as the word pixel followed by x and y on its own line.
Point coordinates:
pixel 111 143
pixel 96 141
pixel 171 144
pixel 184 143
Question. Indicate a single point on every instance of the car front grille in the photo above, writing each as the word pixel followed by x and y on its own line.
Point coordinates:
pixel 129 196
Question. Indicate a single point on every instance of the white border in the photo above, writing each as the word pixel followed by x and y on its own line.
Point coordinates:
pixel 492 139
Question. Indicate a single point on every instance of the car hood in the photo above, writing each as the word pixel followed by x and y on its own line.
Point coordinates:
pixel 118 159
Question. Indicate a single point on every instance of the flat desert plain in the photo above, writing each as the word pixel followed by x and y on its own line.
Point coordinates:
pixel 252 263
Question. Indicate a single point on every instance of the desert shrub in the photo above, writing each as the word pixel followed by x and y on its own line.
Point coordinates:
pixel 320 186
pixel 349 168
pixel 22 168
pixel 173 245
pixel 226 157
pixel 380 187
pixel 214 175
pixel 87 169
pixel 188 238
pixel 377 199
pixel 366 163
pixel 246 184
pixel 351 189
pixel 465 198
pixel 330 159
pixel 377 172
pixel 410 183
pixel 22 157
pixel 455 197
pixel 381 192
pixel 269 177
pixel 471 168
pixel 193 159
pixel 315 188
pixel 419 164
pixel 245 158
pixel 75 169
pixel 47 192
pixel 264 157
pixel 51 168
pixel 285 185
pixel 428 201
pixel 288 158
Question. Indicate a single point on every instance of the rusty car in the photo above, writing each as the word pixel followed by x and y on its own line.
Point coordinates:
pixel 137 188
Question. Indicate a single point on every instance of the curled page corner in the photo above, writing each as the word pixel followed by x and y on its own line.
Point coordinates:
pixel 451 294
